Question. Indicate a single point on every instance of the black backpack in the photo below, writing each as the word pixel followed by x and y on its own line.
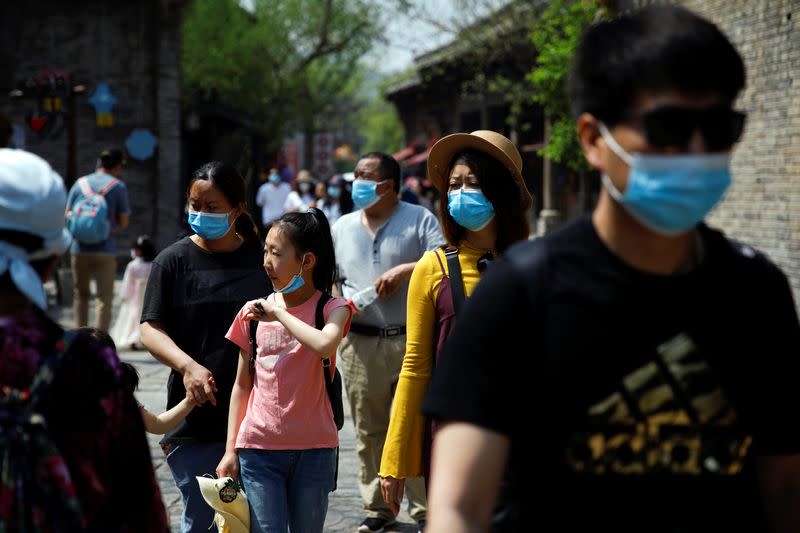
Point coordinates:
pixel 333 385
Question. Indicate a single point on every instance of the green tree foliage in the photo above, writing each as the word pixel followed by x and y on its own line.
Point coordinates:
pixel 284 61
pixel 380 126
pixel 555 36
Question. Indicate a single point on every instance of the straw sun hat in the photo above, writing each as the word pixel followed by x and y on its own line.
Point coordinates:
pixel 232 512
pixel 489 142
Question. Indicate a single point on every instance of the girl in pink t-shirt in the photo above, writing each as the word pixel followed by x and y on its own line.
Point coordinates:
pixel 282 440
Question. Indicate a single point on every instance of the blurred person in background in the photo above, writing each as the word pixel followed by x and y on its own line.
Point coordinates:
pixel 98 259
pixel 378 245
pixel 125 331
pixel 328 197
pixel 302 197
pixel 271 196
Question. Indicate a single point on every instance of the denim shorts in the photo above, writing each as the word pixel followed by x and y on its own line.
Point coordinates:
pixel 287 488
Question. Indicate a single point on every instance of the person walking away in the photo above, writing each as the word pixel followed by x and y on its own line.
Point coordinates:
pixel 641 365
pixel 271 197
pixel 96 258
pixel 328 200
pixel 73 453
pixel 195 289
pixel 281 429
pixel 378 245
pixel 481 175
pixel 125 331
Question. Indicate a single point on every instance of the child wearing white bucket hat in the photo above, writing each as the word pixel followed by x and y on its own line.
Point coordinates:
pixel 55 468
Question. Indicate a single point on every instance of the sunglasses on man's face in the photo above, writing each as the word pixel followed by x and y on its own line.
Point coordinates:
pixel 673 126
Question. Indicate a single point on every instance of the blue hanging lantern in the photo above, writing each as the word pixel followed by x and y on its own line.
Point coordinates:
pixel 141 144
pixel 104 102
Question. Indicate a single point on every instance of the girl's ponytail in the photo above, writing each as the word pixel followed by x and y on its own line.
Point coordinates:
pixel 325 271
pixel 247 229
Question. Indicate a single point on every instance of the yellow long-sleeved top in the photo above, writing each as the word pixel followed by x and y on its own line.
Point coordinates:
pixel 402 453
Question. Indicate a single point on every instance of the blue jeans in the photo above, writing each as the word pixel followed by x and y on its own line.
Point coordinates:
pixel 186 461
pixel 287 488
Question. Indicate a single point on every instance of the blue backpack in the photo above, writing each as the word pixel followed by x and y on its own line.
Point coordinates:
pixel 89 221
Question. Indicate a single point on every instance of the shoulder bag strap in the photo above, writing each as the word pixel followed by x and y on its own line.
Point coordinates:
pixel 86 188
pixel 319 323
pixel 441 266
pixel 108 187
pixel 253 346
pixel 456 280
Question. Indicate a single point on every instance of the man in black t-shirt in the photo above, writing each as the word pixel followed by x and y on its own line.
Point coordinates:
pixel 636 368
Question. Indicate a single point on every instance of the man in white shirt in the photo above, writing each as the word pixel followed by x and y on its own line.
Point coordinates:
pixel 271 197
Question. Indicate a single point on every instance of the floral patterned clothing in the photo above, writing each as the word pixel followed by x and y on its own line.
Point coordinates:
pixel 89 451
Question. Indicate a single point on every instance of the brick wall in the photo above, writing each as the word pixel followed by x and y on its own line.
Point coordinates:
pixel 762 208
pixel 135 48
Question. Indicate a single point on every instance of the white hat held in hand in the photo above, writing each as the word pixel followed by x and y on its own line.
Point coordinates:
pixel 225 496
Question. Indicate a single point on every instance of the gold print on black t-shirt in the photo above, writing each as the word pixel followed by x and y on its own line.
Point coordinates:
pixel 669 415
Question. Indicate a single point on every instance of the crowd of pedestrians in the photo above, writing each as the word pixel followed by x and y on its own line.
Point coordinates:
pixel 276 197
pixel 632 371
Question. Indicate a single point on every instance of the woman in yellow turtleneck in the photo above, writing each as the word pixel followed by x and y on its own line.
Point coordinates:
pixel 483 210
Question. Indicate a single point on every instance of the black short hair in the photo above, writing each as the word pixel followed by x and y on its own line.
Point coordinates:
pixel 145 245
pixel 111 157
pixel 388 167
pixel 130 377
pixel 100 336
pixel 657 48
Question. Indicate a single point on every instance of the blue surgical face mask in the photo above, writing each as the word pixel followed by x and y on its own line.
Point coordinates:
pixel 334 192
pixel 470 208
pixel 295 283
pixel 365 193
pixel 274 179
pixel 670 194
pixel 210 226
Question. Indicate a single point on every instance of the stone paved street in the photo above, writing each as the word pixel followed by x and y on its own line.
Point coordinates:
pixel 344 509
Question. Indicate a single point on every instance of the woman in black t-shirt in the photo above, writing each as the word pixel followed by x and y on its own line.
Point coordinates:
pixel 195 288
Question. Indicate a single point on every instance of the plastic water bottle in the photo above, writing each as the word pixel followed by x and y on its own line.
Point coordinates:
pixel 364 297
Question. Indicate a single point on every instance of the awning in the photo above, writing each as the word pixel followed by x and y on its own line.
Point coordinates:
pixel 417 159
pixel 402 154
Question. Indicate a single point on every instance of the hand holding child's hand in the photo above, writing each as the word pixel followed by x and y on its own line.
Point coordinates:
pixel 191 399
pixel 199 384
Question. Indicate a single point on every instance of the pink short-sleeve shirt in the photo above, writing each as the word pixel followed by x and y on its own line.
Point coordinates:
pixel 288 408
